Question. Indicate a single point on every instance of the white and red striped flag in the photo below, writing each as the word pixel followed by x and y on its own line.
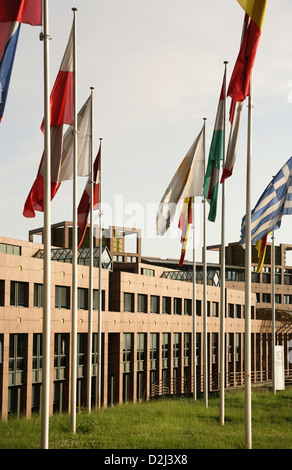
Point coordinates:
pixel 61 101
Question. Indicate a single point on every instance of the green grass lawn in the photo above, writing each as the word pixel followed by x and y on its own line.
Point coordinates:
pixel 179 423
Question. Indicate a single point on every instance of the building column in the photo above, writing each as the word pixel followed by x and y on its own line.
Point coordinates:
pixel 5 358
pixel 28 380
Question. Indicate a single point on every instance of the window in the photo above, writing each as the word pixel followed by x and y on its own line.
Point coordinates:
pixel 128 302
pixel 287 299
pixel 81 354
pixel 177 306
pixel 164 350
pixel 238 311
pixel 166 305
pixel 19 294
pixel 10 249
pixel 142 303
pixel 215 309
pixel 154 304
pixel 267 298
pixel 176 347
pixel 188 307
pixel 287 276
pixel 140 351
pixel 230 310
pixel 278 276
pixel 147 272
pixel 62 297
pixel 38 293
pixel 17 352
pixel 187 349
pixel 278 298
pixel 198 308
pixel 96 300
pixel 214 347
pixel 60 350
pixel 266 275
pixel 2 292
pixel 127 352
pixel 153 350
pixel 37 358
pixel 82 300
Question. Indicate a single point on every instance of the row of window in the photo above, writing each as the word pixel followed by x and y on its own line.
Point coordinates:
pixel 19 295
pixel 264 276
pixel 279 298
pixel 166 305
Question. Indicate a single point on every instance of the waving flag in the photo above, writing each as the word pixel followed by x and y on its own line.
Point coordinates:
pixel 22 11
pixel 61 113
pixel 275 202
pixel 185 220
pixel 12 14
pixel 261 246
pixel 239 83
pixel 84 205
pixel 187 182
pixel 215 156
pixel 240 79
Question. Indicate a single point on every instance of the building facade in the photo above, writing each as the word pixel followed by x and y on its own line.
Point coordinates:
pixel 147 324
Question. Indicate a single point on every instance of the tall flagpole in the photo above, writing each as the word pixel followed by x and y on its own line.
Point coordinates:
pixel 75 241
pixel 194 309
pixel 99 284
pixel 90 303
pixel 273 313
pixel 247 359
pixel 205 286
pixel 222 281
pixel 47 238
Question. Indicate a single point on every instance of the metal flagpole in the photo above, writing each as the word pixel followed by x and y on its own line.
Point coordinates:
pixel 75 240
pixel 247 359
pixel 47 237
pixel 99 285
pixel 90 302
pixel 273 312
pixel 194 308
pixel 205 287
pixel 222 280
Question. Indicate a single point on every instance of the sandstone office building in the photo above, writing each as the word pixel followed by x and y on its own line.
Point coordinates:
pixel 147 321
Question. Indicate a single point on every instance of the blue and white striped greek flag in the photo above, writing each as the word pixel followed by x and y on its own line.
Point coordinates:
pixel 275 202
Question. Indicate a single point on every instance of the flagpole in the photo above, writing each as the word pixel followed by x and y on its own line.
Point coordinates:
pixel 194 309
pixel 205 286
pixel 273 312
pixel 47 237
pixel 75 237
pixel 222 283
pixel 99 285
pixel 247 360
pixel 90 303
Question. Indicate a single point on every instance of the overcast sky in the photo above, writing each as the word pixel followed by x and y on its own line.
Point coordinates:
pixel 157 69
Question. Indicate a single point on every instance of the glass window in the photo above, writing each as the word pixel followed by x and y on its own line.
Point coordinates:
pixel 142 303
pixel 128 302
pixel 177 306
pixel 38 300
pixel 154 304
pixel 188 306
pixel 166 305
pixel 82 300
pixel 62 297
pixel 19 294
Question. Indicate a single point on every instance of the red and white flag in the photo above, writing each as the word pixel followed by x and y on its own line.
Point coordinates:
pixel 61 102
pixel 84 204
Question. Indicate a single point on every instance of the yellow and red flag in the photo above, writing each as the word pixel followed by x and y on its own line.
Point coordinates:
pixel 261 246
